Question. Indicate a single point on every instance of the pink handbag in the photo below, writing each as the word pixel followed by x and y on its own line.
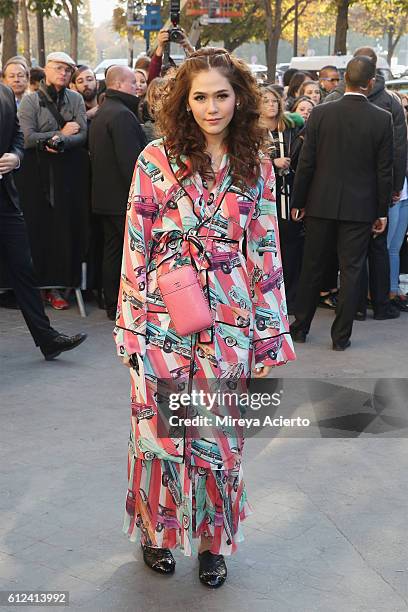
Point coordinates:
pixel 185 300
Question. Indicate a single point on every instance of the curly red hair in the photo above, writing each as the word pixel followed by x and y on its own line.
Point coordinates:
pixel 183 137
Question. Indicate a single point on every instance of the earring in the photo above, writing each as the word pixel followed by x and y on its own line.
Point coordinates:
pixel 238 104
pixel 188 109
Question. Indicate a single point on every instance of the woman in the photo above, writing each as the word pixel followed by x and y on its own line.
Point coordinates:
pixel 311 90
pixel 196 195
pixel 283 134
pixel 303 106
pixel 293 89
pixel 397 230
pixel 154 95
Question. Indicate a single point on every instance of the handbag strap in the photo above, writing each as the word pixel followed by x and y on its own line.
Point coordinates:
pixel 209 220
pixel 53 109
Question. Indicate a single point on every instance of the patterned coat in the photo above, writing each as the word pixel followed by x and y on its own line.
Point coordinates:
pixel 167 224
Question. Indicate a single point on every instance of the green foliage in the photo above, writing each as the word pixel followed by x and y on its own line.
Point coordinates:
pixel 6 8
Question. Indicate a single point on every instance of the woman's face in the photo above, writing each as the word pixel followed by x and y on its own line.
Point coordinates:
pixel 270 106
pixel 312 92
pixel 212 102
pixel 304 109
pixel 141 84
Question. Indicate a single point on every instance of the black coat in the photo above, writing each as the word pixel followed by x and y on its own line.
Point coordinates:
pixel 11 138
pixel 345 166
pixel 389 101
pixel 116 139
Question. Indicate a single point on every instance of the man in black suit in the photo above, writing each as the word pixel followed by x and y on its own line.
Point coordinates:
pixel 343 187
pixel 14 246
pixel 116 139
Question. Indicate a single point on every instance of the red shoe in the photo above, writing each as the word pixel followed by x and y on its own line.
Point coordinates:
pixel 54 299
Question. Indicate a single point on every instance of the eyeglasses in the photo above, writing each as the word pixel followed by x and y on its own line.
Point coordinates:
pixel 332 79
pixel 62 68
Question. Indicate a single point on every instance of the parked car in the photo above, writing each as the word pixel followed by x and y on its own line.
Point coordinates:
pixel 400 85
pixel 314 63
pixel 107 63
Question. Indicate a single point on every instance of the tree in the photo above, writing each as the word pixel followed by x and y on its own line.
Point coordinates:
pixel 25 26
pixel 42 9
pixel 87 43
pixel 251 26
pixel 387 18
pixel 120 26
pixel 9 12
pixel 280 14
pixel 319 11
pixel 340 41
pixel 71 8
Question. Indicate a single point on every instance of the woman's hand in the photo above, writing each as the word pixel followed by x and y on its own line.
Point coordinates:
pixel 162 39
pixel 262 372
pixel 282 163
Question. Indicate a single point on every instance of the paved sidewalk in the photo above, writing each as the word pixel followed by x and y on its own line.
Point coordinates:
pixel 329 528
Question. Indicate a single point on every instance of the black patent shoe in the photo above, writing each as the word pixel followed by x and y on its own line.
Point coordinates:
pixel 159 559
pixel 60 344
pixel 212 570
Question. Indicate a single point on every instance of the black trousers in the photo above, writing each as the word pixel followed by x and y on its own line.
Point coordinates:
pixel 113 231
pixel 352 240
pixel 16 257
pixel 291 243
pixel 377 276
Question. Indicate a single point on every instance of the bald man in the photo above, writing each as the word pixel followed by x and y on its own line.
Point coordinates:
pixel 115 141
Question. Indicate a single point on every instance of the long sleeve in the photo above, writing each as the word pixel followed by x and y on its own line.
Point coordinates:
pixel 128 141
pixel 384 169
pixel 78 140
pixel 130 330
pixel 305 167
pixel 155 67
pixel 28 117
pixel 272 342
pixel 400 144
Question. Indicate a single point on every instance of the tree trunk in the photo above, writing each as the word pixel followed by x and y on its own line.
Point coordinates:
pixel 340 42
pixel 40 37
pixel 74 27
pixel 130 40
pixel 71 11
pixel 26 31
pixel 394 37
pixel 296 30
pixel 274 31
pixel 10 26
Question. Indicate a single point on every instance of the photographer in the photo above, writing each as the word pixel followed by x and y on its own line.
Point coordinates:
pixel 282 134
pixel 53 183
pixel 165 36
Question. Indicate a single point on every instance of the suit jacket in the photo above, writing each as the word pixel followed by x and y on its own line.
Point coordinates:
pixel 116 139
pixel 345 169
pixel 11 138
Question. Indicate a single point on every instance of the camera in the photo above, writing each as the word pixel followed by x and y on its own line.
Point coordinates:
pixel 55 144
pixel 176 35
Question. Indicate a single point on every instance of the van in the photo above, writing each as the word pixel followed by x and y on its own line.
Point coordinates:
pixel 314 63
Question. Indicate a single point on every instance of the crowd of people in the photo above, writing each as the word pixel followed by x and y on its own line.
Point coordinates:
pixel 254 200
pixel 101 127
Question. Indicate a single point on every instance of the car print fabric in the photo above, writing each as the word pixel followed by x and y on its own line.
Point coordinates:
pixel 181 485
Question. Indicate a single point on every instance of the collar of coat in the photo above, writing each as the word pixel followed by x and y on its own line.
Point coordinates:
pixel 132 102
pixel 52 94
